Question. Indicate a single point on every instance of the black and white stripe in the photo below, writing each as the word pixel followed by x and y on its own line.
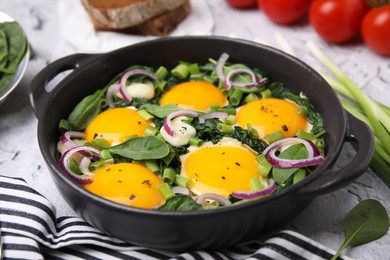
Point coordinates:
pixel 30 230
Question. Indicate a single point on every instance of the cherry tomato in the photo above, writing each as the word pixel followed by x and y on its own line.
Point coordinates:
pixel 242 3
pixel 376 29
pixel 337 21
pixel 284 11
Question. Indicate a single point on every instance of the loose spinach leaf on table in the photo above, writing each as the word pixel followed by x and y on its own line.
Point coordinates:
pixel 141 148
pixel 366 222
pixel 294 152
pixel 16 48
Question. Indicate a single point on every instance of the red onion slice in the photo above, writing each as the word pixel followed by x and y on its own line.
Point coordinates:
pixel 220 64
pixel 110 93
pixel 168 121
pixel 219 115
pixel 212 196
pixel 288 163
pixel 314 156
pixel 64 162
pixel 126 75
pixel 228 83
pixel 257 193
pixel 66 138
pixel 181 190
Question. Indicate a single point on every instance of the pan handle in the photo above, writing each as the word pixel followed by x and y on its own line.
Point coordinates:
pixel 39 94
pixel 359 134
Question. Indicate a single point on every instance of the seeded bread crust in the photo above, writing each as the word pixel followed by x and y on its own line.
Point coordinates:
pixel 122 14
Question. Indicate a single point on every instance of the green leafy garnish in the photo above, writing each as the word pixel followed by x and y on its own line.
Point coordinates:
pixel 160 111
pixel 141 148
pixel 366 222
pixel 180 203
pixel 86 111
pixel 13 46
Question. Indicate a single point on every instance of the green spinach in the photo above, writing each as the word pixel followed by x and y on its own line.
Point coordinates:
pixel 366 222
pixel 141 148
pixel 16 46
pixel 180 203
pixel 160 111
pixel 86 111
pixel 294 152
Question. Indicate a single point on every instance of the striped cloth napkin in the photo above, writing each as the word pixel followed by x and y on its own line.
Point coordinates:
pixel 31 230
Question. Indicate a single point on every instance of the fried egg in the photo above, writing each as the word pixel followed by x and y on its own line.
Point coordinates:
pixel 127 183
pixel 270 115
pixel 115 125
pixel 197 95
pixel 219 168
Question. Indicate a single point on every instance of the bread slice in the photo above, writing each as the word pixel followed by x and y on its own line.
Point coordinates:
pixel 146 17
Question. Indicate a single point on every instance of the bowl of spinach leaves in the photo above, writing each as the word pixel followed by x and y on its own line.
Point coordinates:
pixel 14 54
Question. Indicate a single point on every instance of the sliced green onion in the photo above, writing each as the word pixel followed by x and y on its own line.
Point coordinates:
pixel 182 181
pixel 152 165
pixel 194 69
pixel 264 166
pixel 161 85
pixel 195 141
pixel 166 190
pixel 105 154
pixel 252 132
pixel 225 128
pixel 145 114
pixel 168 175
pixel 235 97
pixel 304 135
pixel 267 93
pixel 229 110
pixel 151 131
pixel 251 97
pixel 230 120
pixel 162 73
pixel 273 137
pixel 181 71
pixel 214 107
pixel 255 183
pixel 74 167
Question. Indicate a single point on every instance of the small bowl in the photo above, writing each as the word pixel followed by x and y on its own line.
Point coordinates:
pixel 208 228
pixel 21 68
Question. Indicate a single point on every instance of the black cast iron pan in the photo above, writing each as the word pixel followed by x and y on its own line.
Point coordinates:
pixel 202 229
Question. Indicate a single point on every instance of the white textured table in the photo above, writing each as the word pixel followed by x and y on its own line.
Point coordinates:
pixel 321 221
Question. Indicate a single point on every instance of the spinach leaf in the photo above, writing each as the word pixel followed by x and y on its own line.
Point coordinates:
pixel 208 130
pixel 180 203
pixel 160 111
pixel 366 222
pixel 294 152
pixel 141 148
pixel 3 49
pixel 17 46
pixel 85 111
pixel 243 136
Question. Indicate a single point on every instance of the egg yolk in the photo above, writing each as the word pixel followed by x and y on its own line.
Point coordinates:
pixel 127 183
pixel 198 95
pixel 270 115
pixel 220 170
pixel 115 125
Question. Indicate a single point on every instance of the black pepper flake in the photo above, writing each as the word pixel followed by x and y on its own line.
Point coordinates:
pixel 108 169
pixel 223 153
pixel 227 168
pixel 223 177
pixel 285 128
pixel 132 196
pixel 95 135
pixel 197 175
pixel 120 170
pixel 237 163
pixel 119 181
pixel 147 182
pixel 139 122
